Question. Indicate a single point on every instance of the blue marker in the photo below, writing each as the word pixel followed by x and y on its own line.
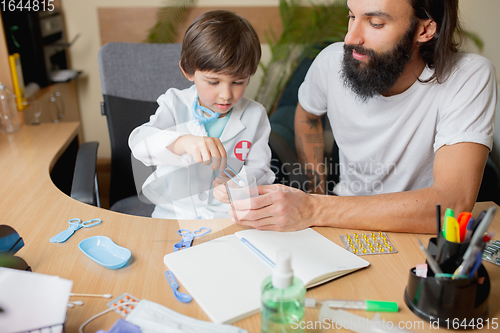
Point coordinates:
pixel 470 227
pixel 477 263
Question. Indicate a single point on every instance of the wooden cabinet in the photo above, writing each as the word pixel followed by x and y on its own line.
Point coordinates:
pixel 67 91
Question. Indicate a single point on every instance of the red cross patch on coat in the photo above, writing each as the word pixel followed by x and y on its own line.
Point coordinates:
pixel 242 149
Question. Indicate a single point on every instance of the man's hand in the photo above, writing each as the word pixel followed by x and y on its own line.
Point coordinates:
pixel 202 148
pixel 278 208
pixel 283 208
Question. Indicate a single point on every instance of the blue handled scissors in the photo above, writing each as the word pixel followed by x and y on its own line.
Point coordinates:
pixel 188 237
pixel 74 225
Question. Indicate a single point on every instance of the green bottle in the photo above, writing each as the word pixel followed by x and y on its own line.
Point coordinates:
pixel 282 298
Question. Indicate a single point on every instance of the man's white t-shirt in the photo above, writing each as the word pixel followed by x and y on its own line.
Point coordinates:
pixel 387 144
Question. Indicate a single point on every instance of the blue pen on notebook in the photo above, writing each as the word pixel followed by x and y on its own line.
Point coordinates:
pixel 257 252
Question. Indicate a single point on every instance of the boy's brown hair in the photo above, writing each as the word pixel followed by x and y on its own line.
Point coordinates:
pixel 222 42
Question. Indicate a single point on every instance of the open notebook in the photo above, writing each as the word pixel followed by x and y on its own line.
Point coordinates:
pixel 224 276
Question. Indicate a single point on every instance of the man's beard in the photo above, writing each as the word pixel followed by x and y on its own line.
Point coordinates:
pixel 382 70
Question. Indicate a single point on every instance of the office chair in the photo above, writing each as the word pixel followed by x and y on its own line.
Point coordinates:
pixel 133 76
pixel 284 160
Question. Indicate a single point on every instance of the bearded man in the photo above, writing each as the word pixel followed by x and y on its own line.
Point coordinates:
pixel 412 117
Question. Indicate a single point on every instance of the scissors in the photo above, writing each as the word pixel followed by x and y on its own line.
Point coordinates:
pixel 74 225
pixel 188 237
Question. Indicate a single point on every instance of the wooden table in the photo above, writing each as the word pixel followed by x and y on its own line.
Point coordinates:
pixel 31 204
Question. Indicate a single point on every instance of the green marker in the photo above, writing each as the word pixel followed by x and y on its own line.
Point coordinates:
pixel 368 305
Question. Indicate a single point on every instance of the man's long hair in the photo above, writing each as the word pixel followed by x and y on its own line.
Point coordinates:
pixel 440 52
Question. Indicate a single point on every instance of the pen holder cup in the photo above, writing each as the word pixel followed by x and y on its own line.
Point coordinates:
pixel 449 255
pixel 445 299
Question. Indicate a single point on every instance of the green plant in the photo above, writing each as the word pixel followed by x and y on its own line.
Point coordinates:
pixel 6 260
pixel 168 19
pixel 304 28
pixel 469 35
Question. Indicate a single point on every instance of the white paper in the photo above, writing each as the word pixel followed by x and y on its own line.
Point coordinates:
pixel 224 291
pixel 315 258
pixel 32 301
pixel 225 277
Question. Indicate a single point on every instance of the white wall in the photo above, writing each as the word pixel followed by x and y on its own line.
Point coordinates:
pixel 81 17
pixel 481 16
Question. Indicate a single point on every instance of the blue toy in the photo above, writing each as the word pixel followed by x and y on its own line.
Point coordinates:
pixel 188 237
pixel 74 225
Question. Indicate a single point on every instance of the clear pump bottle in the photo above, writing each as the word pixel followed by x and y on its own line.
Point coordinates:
pixel 9 122
pixel 282 298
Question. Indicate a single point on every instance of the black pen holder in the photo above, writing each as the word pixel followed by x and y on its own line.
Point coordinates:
pixel 445 299
pixel 448 255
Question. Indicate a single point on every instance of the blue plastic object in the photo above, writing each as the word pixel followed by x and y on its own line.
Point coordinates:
pixel 188 236
pixel 74 225
pixel 199 116
pixel 105 252
pixel 10 241
pixel 182 297
pixel 239 183
pixel 122 326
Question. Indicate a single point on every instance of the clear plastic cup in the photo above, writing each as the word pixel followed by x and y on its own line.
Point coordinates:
pixel 240 191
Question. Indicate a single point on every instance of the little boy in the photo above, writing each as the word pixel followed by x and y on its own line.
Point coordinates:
pixel 196 131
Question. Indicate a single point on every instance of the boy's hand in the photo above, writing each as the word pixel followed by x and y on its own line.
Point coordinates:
pixel 220 191
pixel 202 148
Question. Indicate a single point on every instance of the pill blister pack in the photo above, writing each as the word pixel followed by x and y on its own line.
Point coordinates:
pixel 368 243
pixel 123 304
pixel 491 252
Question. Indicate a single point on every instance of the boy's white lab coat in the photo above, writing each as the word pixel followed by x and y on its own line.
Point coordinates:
pixel 179 183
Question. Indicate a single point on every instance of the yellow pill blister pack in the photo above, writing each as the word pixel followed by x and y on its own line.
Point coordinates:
pixel 368 243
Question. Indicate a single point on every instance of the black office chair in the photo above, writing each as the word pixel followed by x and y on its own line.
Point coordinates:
pixel 133 76
pixel 284 160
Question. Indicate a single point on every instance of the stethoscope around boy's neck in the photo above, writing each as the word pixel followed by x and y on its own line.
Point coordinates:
pixel 198 111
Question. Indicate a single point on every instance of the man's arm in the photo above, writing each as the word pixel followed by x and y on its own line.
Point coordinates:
pixel 458 171
pixel 310 147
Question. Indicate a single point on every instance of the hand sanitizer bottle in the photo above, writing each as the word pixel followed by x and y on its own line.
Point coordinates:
pixel 282 298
